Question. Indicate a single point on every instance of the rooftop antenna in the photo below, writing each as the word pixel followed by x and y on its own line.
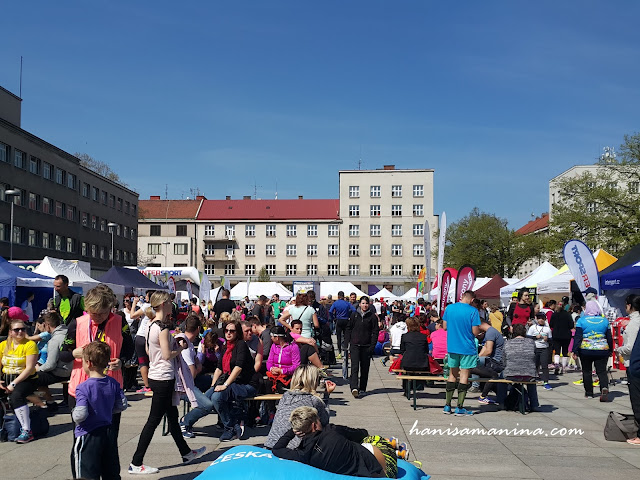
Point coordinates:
pixel 255 190
pixel 360 159
pixel 20 95
pixel 276 189
pixel 166 191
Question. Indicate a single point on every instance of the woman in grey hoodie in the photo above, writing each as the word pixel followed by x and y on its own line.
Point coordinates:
pixel 631 330
pixel 304 383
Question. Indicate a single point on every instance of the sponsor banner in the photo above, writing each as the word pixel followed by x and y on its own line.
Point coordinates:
pixel 582 265
pixel 189 290
pixel 205 288
pixel 445 285
pixel 420 286
pixel 465 281
pixel 171 284
pixel 441 240
pixel 427 260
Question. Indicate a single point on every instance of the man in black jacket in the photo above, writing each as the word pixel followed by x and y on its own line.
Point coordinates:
pixel 361 334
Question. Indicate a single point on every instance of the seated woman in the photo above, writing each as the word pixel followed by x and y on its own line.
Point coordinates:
pixel 307 346
pixel 284 358
pixel 520 364
pixel 18 357
pixel 414 348
pixel 439 341
pixel 302 392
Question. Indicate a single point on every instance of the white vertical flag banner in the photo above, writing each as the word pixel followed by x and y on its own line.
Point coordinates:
pixel 582 265
pixel 205 288
pixel 427 259
pixel 441 240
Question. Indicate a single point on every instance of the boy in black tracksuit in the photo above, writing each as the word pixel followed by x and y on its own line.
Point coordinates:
pixel 361 335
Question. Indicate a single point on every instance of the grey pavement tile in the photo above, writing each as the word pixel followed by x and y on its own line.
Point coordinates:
pixel 472 464
pixel 585 462
pixel 629 455
pixel 577 473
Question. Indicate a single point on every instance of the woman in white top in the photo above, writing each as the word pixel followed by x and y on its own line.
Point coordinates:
pixel 303 312
pixel 162 350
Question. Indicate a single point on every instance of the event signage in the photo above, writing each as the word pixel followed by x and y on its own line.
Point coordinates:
pixel 582 265
pixel 465 281
pixel 427 259
pixel 420 286
pixel 441 240
pixel 189 290
pixel 445 285
pixel 171 285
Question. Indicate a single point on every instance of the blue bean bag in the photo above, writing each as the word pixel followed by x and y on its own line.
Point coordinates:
pixel 253 463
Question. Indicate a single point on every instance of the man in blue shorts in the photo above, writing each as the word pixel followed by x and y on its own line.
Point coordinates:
pixel 462 323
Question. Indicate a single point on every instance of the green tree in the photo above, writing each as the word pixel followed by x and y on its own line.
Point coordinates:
pixel 101 168
pixel 263 276
pixel 486 242
pixel 601 208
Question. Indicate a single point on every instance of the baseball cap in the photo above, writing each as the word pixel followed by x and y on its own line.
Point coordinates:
pixel 16 313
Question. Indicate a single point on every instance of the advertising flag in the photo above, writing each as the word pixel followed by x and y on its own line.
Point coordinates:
pixel 420 286
pixel 427 259
pixel 171 284
pixel 205 288
pixel 465 281
pixel 445 285
pixel 441 239
pixel 189 290
pixel 582 265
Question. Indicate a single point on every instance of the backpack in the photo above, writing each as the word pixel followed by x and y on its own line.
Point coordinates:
pixel 383 336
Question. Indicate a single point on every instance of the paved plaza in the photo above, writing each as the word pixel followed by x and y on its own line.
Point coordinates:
pixel 385 411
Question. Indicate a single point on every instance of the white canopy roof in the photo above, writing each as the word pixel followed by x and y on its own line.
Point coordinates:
pixel 410 295
pixel 178 273
pixel 543 272
pixel 259 288
pixel 332 288
pixel 384 293
pixel 51 267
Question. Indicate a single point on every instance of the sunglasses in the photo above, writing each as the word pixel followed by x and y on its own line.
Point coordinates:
pixel 18 330
pixel 229 331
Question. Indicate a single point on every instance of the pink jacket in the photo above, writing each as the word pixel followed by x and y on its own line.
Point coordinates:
pixel 286 357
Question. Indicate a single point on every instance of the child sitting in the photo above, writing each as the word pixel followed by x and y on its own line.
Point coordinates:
pixel 95 450
pixel 335 448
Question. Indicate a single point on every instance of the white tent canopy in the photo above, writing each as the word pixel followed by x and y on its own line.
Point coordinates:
pixel 178 273
pixel 410 295
pixel 332 288
pixel 384 293
pixel 52 267
pixel 255 289
pixel 543 272
pixel 559 283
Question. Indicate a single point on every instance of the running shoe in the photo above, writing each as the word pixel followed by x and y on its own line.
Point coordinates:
pixel 25 436
pixel 548 387
pixel 624 382
pixel 487 401
pixel 141 470
pixel 193 454
pixel 355 393
pixel 596 383
pixel 578 382
pixel 462 412
pixel 447 410
pixel 143 390
pixel 227 436
pixel 383 362
pixel 187 432
pixel 239 430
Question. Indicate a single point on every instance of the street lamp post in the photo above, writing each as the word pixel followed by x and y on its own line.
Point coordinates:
pixel 166 244
pixel 111 226
pixel 10 194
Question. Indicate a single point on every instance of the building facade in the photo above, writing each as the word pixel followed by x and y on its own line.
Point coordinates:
pixel 538 226
pixel 61 209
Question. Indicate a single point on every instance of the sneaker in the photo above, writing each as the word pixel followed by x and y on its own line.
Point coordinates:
pixel 25 436
pixel 487 401
pixel 624 382
pixel 589 395
pixel 141 470
pixel 187 432
pixel 239 430
pixel 474 390
pixel 227 436
pixel 338 356
pixel 447 410
pixel 383 362
pixel 462 412
pixel 604 395
pixel 143 390
pixel 548 387
pixel 578 382
pixel 355 393
pixel 52 406
pixel 596 383
pixel 193 454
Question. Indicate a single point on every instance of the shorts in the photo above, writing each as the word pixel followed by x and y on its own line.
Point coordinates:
pixel 394 351
pixel 389 453
pixel 140 344
pixel 466 362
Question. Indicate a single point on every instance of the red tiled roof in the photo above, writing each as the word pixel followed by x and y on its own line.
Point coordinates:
pixel 539 223
pixel 299 209
pixel 168 208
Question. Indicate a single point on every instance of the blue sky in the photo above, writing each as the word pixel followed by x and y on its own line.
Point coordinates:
pixel 496 96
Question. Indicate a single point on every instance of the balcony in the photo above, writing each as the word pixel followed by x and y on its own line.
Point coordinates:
pixel 219 256
pixel 219 238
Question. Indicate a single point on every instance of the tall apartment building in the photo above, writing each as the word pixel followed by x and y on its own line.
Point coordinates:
pixel 61 209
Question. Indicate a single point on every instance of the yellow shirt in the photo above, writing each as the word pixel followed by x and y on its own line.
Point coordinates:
pixel 14 361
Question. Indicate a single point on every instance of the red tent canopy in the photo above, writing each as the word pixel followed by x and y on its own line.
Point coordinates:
pixel 491 290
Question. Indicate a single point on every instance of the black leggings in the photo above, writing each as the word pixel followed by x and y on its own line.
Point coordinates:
pixel 161 404
pixel 561 346
pixel 600 363
pixel 341 325
pixel 141 351
pixel 18 397
pixel 542 359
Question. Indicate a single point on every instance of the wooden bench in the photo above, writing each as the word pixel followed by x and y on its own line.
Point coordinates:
pixel 413 377
pixel 264 398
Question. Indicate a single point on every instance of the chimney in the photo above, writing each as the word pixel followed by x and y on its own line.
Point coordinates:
pixel 246 197
pixel 389 167
pixel 300 197
pixel 228 197
pixel 154 197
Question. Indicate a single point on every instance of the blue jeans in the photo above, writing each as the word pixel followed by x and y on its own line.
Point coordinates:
pixel 481 361
pixel 223 403
pixel 204 408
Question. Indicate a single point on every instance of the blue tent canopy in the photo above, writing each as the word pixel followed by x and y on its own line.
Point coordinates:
pixel 12 277
pixel 624 278
pixel 130 278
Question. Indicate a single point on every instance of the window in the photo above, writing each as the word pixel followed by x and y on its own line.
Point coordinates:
pixel 375 210
pixel 59 209
pixel 71 181
pixel 375 191
pixel 209 269
pixel 180 248
pixel 230 231
pixel 46 205
pixel 250 250
pixel 354 250
pixel 354 192
pixel 119 204
pixel 354 269
pixel 291 269
pixel 58 243
pixel 291 250
pixel 312 270
pixel 333 251
pixel 418 249
pixel 229 269
pixel 334 230
pixel 84 249
pixel 20 199
pixel 133 234
pixel 47 171
pixel 71 245
pixel 396 270
pixel 19 159
pixel 33 201
pixel 94 252
pixel 416 269
pixel 354 210
pixel 209 231
pixel 46 240
pixel 209 249
pixel 634 187
pixel 271 251
pixel 249 269
pixel 85 190
pixel 228 250
pixel 374 270
pixel 60 175
pixel 4 152
pixel 418 230
pixel 396 210
pixel 591 207
pixel 154 230
pixel 612 185
pixel 103 225
pixel 354 230
pixel 95 194
pixel 125 233
pixel 112 201
pixel 181 230
pixel 71 213
pixel 396 230
pixel 34 165
pixel 332 270
pixel 418 210
pixel 396 191
pixel 249 230
pixel 126 207
pixel 270 230
pixel 375 250
pixel 374 230
pixel 312 250
pixel 418 191
pixel 153 249
pixel 396 250
pixel 105 198
pixel 33 238
pixel 591 184
pixel 270 268
pixel 291 230
pixel 94 222
pixel 312 230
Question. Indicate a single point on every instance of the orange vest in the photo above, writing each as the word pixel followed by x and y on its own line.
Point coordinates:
pixel 86 332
